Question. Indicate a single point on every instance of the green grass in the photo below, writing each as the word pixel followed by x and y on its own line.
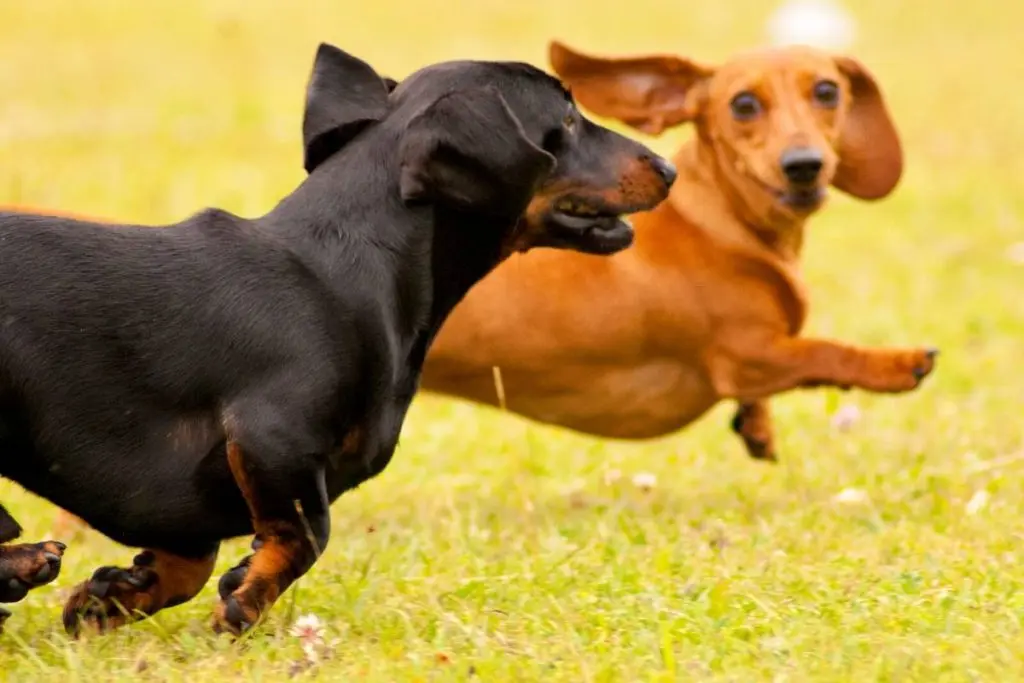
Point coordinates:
pixel 496 546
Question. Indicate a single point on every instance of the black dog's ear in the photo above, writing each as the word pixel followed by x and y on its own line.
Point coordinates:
pixel 467 149
pixel 343 96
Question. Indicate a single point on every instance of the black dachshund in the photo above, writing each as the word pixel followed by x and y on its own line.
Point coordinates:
pixel 181 385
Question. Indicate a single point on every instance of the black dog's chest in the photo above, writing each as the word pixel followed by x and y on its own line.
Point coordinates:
pixel 367 446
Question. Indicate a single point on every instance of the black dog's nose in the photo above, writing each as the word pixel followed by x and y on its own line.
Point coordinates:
pixel 802 165
pixel 666 169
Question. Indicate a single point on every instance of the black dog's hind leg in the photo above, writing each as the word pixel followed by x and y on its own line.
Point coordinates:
pixel 24 566
pixel 290 515
pixel 156 580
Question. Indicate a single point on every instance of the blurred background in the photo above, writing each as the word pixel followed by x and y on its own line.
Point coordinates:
pixel 149 111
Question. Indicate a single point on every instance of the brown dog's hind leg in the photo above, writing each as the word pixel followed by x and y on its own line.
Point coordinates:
pixel 156 580
pixel 753 423
pixel 288 542
pixel 68 526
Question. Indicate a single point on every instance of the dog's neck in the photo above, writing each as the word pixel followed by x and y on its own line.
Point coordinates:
pixel 706 198
pixel 452 250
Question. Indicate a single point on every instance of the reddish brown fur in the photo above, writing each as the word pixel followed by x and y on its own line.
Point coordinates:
pixel 168 580
pixel 709 302
pixel 282 548
pixel 24 560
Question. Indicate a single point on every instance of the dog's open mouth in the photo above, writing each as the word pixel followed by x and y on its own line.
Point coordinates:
pixel 589 227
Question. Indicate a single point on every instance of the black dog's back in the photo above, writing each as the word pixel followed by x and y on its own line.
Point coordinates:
pixel 117 344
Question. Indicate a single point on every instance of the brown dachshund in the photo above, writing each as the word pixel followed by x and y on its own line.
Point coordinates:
pixel 709 302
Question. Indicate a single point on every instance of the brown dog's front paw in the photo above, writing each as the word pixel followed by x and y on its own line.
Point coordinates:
pixel 110 599
pixel 924 367
pixel 912 367
pixel 27 566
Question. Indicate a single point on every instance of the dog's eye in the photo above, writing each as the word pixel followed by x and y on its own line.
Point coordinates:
pixel 745 106
pixel 569 122
pixel 826 93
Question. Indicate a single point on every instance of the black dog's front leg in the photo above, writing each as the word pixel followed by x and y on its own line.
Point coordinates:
pixel 290 515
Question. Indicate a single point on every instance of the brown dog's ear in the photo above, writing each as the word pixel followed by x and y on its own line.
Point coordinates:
pixel 467 149
pixel 870 155
pixel 344 95
pixel 647 93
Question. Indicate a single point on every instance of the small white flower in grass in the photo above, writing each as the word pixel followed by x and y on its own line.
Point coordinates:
pixel 309 629
pixel 851 496
pixel 977 502
pixel 846 417
pixel 645 481
pixel 1016 253
pixel 612 476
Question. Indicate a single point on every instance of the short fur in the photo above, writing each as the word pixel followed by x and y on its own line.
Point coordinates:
pixel 178 386
pixel 709 304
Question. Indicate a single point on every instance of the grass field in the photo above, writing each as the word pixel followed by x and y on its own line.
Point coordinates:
pixel 503 549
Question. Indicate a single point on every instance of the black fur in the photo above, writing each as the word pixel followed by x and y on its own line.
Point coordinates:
pixel 130 354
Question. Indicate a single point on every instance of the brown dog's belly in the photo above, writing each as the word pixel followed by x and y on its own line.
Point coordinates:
pixel 644 401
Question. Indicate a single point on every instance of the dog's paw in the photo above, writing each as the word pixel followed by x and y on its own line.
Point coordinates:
pixel 111 598
pixel 233 578
pixel 752 425
pixel 27 566
pixel 235 614
pixel 926 363
pixel 911 367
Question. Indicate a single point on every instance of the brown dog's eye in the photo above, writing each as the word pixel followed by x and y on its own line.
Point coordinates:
pixel 826 93
pixel 745 106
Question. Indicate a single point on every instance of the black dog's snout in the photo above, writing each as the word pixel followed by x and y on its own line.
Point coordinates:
pixel 802 165
pixel 665 168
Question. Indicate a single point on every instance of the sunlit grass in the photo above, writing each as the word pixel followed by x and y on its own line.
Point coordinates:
pixel 498 547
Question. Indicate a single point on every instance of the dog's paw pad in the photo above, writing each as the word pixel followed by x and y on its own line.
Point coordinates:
pixel 233 578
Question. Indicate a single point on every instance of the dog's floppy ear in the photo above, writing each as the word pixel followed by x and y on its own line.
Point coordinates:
pixel 870 155
pixel 467 149
pixel 648 93
pixel 343 96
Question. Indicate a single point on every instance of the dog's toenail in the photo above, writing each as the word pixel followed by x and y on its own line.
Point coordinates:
pixel 931 352
pixel 51 558
pixel 60 546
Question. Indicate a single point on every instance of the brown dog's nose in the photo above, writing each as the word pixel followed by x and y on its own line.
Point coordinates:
pixel 802 165
pixel 665 168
